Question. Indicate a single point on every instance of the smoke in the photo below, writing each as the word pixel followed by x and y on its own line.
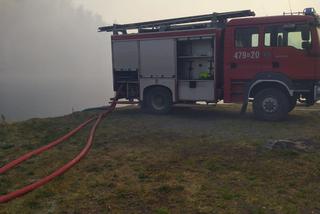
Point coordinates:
pixel 52 59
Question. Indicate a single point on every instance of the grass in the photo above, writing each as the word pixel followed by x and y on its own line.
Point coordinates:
pixel 194 160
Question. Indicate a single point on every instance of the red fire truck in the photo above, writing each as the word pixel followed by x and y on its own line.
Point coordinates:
pixel 270 61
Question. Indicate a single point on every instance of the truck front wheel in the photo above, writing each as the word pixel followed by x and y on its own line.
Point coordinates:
pixel 271 105
pixel 158 100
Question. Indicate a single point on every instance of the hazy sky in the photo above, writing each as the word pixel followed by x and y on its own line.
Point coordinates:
pixel 52 59
pixel 123 11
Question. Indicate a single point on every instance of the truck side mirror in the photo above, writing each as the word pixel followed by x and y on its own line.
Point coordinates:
pixel 305 34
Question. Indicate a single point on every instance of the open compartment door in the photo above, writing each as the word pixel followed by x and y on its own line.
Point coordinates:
pixel 196 68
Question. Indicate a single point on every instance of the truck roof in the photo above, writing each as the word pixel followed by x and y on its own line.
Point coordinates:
pixel 194 24
pixel 270 20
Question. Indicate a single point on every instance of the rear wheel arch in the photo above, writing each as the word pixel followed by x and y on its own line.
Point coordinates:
pixel 153 87
pixel 157 99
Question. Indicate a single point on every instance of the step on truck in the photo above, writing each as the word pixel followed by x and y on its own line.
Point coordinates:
pixel 271 61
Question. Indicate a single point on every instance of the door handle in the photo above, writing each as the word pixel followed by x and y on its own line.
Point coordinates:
pixel 233 65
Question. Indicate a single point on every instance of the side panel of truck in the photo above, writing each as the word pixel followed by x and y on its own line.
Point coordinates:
pixel 158 65
pixel 125 55
pixel 176 62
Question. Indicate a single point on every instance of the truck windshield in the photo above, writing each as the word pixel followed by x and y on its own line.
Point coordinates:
pixel 279 36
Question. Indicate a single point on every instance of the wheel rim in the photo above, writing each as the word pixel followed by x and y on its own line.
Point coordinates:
pixel 158 102
pixel 270 105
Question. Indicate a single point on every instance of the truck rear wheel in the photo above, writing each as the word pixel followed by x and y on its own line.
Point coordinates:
pixel 271 105
pixel 158 100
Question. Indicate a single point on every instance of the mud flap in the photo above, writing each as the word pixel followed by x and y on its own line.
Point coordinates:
pixel 244 107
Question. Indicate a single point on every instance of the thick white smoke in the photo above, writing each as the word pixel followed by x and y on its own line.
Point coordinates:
pixel 51 59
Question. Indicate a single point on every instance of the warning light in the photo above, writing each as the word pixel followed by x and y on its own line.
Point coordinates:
pixel 310 11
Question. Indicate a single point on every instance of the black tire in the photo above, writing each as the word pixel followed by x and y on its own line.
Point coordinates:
pixel 270 105
pixel 158 100
pixel 292 104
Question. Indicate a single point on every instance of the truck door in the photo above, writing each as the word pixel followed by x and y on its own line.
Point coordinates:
pixel 289 44
pixel 242 60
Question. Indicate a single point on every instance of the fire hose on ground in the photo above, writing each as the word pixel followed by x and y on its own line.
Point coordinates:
pixel 20 192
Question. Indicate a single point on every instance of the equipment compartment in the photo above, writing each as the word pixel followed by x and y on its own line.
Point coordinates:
pixel 195 56
pixel 196 68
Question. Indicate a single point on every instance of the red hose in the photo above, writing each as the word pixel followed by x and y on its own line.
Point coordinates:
pixel 38 151
pixel 20 192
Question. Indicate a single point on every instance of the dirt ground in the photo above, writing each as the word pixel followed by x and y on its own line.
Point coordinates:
pixel 193 160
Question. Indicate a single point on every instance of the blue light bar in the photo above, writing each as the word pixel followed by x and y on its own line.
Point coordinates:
pixel 310 11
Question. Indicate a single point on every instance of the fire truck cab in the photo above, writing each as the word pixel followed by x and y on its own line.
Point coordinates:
pixel 270 61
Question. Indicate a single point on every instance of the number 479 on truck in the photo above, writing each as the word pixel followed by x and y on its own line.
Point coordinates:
pixel 235 57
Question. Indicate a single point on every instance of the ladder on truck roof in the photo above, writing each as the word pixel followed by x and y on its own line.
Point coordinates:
pixel 184 23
